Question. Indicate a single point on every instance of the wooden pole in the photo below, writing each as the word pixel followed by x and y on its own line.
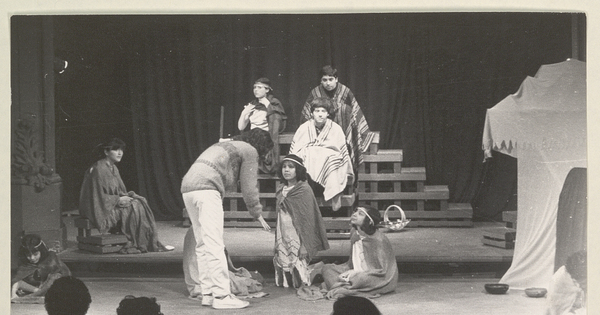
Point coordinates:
pixel 221 122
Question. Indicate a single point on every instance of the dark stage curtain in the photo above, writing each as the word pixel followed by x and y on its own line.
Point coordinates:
pixel 571 218
pixel 423 80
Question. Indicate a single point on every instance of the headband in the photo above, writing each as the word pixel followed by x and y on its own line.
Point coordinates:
pixel 367 214
pixel 36 246
pixel 264 84
pixel 293 158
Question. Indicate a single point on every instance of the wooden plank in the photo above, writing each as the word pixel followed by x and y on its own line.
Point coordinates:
pixel 107 239
pixel 459 206
pixel 465 223
pixel 495 243
pixel 246 224
pixel 267 215
pixel 338 235
pixel 99 249
pixel 500 233
pixel 391 177
pixel 510 217
pixel 286 137
pixel 347 200
pixel 337 223
pixel 381 158
pixel 417 195
pixel 415 215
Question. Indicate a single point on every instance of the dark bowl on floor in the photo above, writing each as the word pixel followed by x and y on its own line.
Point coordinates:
pixel 496 288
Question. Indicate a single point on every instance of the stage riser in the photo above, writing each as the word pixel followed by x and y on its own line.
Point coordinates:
pixel 382 181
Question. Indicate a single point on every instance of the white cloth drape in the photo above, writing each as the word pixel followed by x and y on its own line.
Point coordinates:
pixel 543 125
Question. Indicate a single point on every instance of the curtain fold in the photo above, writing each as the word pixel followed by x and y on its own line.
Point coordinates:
pixel 423 81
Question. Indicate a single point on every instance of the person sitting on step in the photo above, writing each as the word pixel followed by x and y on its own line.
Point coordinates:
pixel 321 144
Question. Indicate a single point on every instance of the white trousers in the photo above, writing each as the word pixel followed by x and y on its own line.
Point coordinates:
pixel 205 208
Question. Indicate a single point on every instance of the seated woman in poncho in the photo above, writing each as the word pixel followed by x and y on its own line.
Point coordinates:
pixel 265 112
pixel 371 269
pixel 105 201
pixel 321 143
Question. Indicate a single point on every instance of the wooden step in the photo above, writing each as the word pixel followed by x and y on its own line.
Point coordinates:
pixel 385 156
pixel 286 137
pixel 99 249
pixel 457 215
pixel 106 239
pixel 500 233
pixel 346 200
pixel 406 174
pixel 429 193
pixel 510 217
pixel 497 243
pixel 502 237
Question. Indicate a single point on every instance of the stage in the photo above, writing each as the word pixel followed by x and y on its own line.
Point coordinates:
pixel 417 250
pixel 442 271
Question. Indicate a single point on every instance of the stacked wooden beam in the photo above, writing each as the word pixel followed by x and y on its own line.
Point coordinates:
pixel 101 243
pixel 502 236
pixel 381 181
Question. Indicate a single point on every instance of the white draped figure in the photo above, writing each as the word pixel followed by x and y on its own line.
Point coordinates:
pixel 321 143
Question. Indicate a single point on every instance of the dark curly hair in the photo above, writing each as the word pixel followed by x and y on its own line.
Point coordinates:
pixel 328 70
pixel 30 244
pixel 301 174
pixel 322 102
pixel 67 295
pixel 259 139
pixel 370 227
pixel 131 305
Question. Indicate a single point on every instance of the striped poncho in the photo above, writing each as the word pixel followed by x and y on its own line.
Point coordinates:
pixel 325 155
pixel 346 113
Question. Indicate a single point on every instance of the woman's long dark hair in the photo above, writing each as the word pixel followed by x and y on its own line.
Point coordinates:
pixel 301 174
pixel 30 244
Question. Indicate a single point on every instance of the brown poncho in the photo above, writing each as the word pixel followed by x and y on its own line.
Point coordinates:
pixel 99 202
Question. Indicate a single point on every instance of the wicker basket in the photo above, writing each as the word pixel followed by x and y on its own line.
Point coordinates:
pixel 393 226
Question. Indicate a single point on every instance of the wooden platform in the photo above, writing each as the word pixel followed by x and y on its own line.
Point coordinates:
pixel 413 245
pixel 381 181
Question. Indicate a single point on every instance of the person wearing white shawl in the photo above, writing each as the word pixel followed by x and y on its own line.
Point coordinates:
pixel 321 143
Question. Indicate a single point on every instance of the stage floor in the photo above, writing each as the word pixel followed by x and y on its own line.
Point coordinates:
pixel 253 245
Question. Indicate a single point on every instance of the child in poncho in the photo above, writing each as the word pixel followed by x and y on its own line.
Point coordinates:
pixel 38 269
pixel 300 231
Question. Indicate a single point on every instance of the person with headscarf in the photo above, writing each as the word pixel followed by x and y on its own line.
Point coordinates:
pixel 108 205
pixel 38 269
pixel 345 112
pixel 265 112
pixel 300 231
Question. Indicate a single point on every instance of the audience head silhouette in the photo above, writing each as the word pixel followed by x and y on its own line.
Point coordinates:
pixel 67 296
pixel 354 305
pixel 131 305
